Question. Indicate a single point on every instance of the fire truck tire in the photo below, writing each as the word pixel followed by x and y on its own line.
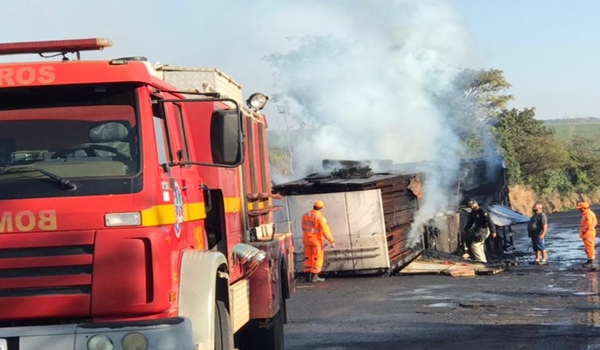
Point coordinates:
pixel 223 338
pixel 266 334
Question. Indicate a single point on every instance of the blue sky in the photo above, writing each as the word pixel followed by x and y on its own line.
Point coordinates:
pixel 548 49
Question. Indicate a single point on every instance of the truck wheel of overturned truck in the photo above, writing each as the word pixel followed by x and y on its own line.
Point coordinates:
pixel 223 339
pixel 265 334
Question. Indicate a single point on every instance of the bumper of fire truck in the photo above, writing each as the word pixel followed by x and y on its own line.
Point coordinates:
pixel 165 334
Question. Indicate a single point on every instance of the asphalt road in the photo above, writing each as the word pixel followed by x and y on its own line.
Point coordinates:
pixel 527 307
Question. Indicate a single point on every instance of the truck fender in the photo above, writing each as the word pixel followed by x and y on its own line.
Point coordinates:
pixel 201 274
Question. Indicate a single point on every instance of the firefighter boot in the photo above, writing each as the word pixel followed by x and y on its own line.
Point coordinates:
pixel 316 278
pixel 588 264
pixel 307 277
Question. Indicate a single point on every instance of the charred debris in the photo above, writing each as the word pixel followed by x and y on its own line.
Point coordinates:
pixel 400 194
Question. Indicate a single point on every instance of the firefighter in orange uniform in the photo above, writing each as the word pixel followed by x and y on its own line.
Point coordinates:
pixel 587 233
pixel 314 230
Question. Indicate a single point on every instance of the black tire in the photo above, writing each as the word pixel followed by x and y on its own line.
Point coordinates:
pixel 265 334
pixel 223 337
pixel 268 334
pixel 275 340
pixel 285 290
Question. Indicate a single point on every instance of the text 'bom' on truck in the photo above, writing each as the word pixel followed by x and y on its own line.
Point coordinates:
pixel 136 209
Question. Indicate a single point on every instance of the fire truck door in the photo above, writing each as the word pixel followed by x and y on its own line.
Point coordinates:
pixel 174 186
pixel 192 190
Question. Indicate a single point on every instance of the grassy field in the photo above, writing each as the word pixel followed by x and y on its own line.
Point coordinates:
pixel 568 131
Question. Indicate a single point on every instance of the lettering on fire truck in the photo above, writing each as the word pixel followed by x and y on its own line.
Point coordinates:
pixel 26 75
pixel 26 221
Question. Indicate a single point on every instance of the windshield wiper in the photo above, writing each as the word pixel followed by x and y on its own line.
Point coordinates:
pixel 15 169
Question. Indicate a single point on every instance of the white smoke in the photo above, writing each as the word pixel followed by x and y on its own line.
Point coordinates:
pixel 362 72
pixel 370 93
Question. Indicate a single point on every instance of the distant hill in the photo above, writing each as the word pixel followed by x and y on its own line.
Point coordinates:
pixel 566 130
pixel 572 120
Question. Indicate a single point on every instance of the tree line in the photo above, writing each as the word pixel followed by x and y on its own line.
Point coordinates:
pixel 533 154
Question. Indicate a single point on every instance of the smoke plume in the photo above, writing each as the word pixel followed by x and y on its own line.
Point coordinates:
pixel 362 75
pixel 372 91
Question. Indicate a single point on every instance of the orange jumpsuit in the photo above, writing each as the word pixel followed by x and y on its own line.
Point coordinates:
pixel 587 232
pixel 314 230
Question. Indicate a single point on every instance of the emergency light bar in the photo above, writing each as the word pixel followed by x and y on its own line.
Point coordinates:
pixel 55 46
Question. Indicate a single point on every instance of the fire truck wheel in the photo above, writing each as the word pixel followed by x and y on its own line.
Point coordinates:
pixel 223 338
pixel 265 334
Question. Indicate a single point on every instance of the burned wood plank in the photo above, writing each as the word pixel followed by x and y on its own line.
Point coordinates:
pixel 397 239
pixel 398 218
pixel 398 230
pixel 399 204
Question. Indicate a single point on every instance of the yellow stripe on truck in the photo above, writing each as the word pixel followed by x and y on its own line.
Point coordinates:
pixel 164 214
pixel 195 211
pixel 259 205
pixel 233 205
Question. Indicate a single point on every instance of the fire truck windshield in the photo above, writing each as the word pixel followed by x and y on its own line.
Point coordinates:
pixel 85 134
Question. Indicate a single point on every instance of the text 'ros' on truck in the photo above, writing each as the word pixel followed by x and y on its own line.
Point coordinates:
pixel 136 209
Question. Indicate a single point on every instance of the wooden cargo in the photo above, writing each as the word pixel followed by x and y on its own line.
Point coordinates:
pixel 396 197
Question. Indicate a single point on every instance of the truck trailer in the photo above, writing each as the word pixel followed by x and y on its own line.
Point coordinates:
pixel 370 215
pixel 135 207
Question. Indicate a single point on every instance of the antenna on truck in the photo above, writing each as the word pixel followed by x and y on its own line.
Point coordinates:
pixel 59 47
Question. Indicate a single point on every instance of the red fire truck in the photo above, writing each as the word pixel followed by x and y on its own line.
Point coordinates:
pixel 136 209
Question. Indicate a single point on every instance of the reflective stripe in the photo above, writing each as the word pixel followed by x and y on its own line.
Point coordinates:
pixel 311 223
pixel 588 224
pixel 164 214
pixel 315 229
pixel 233 204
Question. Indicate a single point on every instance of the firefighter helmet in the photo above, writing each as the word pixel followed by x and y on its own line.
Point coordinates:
pixel 583 205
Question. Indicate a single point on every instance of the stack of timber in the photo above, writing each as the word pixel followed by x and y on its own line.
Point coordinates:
pixel 378 210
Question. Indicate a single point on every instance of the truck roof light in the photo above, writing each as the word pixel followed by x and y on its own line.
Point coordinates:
pixel 54 46
pixel 124 60
pixel 257 101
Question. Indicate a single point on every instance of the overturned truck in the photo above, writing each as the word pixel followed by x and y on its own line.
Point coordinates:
pixel 371 213
pixel 370 216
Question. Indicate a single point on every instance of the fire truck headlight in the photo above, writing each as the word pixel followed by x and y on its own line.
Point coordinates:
pixel 122 219
pixel 257 101
pixel 134 341
pixel 100 342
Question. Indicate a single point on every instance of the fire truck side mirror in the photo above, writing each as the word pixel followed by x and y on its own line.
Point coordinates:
pixel 226 137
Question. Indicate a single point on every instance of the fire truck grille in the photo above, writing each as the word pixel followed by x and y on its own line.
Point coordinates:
pixel 46 271
pixel 45 251
pixel 44 291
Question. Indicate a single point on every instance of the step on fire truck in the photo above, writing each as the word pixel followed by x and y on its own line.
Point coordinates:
pixel 136 209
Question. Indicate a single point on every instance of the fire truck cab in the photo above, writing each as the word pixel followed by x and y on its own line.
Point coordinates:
pixel 136 209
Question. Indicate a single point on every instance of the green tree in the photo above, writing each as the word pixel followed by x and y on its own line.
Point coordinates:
pixel 473 104
pixel 584 171
pixel 484 92
pixel 529 147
